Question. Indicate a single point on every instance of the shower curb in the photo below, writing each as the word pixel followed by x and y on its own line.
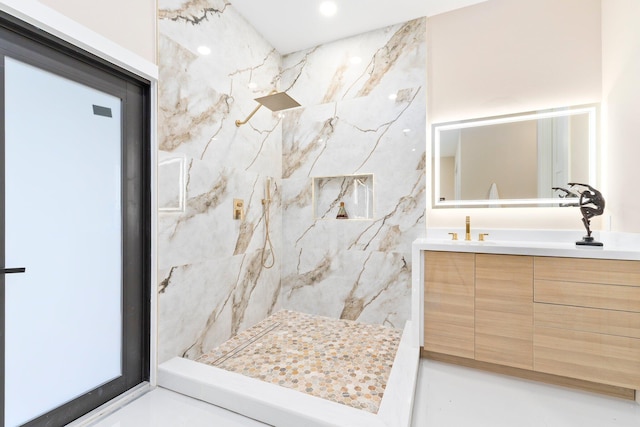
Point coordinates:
pixel 284 407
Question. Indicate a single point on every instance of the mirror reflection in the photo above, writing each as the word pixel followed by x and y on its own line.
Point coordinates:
pixel 514 160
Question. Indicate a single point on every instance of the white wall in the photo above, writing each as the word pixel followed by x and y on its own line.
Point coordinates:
pixel 621 102
pixel 130 23
pixel 507 56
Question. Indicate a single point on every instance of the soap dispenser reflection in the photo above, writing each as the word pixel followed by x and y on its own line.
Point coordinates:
pixel 342 212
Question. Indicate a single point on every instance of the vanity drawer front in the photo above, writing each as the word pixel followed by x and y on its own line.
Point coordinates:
pixel 613 272
pixel 608 322
pixel 605 359
pixel 594 295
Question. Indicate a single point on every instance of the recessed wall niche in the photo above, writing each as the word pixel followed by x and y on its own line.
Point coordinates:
pixel 356 191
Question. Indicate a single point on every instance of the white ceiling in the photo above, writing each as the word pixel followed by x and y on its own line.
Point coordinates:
pixel 293 25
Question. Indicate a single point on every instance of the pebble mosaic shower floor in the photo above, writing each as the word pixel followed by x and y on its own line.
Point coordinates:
pixel 339 360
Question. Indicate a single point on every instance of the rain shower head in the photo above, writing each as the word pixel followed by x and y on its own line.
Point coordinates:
pixel 275 101
pixel 278 101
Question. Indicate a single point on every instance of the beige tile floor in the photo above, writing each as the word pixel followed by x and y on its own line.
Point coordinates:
pixel 446 396
pixel 339 360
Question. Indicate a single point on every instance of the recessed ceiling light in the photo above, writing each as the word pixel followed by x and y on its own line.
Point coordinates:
pixel 328 8
pixel 393 96
pixel 252 85
pixel 204 50
pixel 406 130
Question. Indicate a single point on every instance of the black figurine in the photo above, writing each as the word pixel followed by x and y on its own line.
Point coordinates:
pixel 591 204
pixel 567 194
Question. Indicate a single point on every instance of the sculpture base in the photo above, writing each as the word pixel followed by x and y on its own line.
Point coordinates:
pixel 588 241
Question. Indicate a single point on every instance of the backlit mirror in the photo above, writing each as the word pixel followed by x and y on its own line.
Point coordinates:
pixel 514 160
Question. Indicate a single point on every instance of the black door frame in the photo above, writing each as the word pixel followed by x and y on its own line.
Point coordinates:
pixel 28 44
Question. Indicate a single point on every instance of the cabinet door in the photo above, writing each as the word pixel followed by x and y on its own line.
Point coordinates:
pixel 504 310
pixel 449 303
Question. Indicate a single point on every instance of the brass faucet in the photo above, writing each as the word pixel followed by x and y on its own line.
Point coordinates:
pixel 467 235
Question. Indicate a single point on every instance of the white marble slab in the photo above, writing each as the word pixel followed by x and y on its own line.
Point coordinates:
pixel 357 117
pixel 212 283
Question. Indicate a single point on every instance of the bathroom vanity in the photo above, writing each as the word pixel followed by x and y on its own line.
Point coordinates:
pixel 541 310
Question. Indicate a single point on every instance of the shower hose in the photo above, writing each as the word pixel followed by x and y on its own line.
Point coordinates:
pixel 267 238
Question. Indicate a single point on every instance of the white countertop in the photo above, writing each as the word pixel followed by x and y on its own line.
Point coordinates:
pixel 560 243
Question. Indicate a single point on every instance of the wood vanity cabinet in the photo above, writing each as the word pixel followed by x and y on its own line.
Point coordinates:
pixel 560 319
pixel 587 320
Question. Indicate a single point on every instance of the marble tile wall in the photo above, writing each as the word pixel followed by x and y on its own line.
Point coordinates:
pixel 364 112
pixel 211 280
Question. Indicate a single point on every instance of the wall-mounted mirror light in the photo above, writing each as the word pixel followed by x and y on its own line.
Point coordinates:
pixel 171 183
pixel 514 160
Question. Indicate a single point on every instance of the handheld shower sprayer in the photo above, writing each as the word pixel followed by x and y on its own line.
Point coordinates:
pixel 268 260
pixel 267 190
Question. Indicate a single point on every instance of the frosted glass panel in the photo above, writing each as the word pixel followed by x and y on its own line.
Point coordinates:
pixel 63 223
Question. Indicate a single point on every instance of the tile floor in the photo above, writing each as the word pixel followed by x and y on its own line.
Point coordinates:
pixel 446 396
pixel 338 360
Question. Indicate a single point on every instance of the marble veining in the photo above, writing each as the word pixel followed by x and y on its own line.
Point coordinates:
pixel 315 275
pixel 362 65
pixel 358 118
pixel 297 154
pixel 355 270
pixel 194 11
pixel 400 44
pixel 383 230
pixel 200 204
pixel 217 300
pixel 293 71
pixel 363 112
pixel 357 301
pixel 385 127
pixel 211 280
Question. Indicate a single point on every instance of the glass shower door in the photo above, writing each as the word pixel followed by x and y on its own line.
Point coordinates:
pixel 63 225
